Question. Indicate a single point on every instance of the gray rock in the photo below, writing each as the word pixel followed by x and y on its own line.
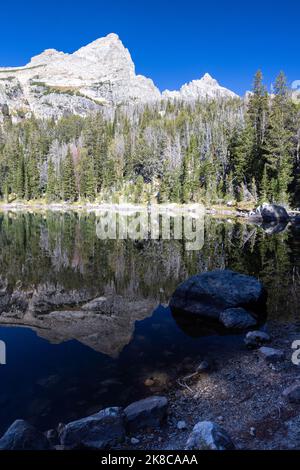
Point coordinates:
pixel 292 393
pixel 272 355
pixel 100 431
pixel 255 339
pixel 209 294
pixel 52 436
pixel 134 441
pixel 237 318
pixel 96 305
pixel 23 436
pixel 147 413
pixel 272 212
pixel 207 435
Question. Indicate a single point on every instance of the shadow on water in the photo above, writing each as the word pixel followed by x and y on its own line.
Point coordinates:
pixel 196 327
pixel 274 228
pixel 47 383
pixel 62 375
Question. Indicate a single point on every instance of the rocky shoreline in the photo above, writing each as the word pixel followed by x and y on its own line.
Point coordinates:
pixel 266 213
pixel 246 400
pixel 253 396
pixel 249 401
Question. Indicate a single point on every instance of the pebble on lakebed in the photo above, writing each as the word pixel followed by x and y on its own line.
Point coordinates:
pixel 271 355
pixel 255 339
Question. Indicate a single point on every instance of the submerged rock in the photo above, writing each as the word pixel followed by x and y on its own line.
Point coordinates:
pixel 23 436
pixel 207 435
pixel 208 294
pixel 99 431
pixel 255 339
pixel 237 318
pixel 147 413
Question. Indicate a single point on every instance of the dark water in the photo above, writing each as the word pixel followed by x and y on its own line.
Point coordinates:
pixel 53 373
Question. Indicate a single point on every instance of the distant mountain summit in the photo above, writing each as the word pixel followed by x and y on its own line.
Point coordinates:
pixel 100 74
pixel 205 88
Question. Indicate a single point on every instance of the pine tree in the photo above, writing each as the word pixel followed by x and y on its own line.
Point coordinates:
pixel 69 183
pixel 191 172
pixel 279 147
pixel 32 178
pixel 254 189
pixel 241 154
pixel 175 189
pixel 20 177
pixel 258 110
pixel 87 176
pixel 52 189
pixel 265 187
pixel 139 188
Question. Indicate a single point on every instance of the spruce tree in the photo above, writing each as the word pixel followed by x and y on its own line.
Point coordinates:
pixel 52 189
pixel 279 147
pixel 264 187
pixel 87 176
pixel 69 183
pixel 258 110
pixel 175 188
pixel 191 172
pixel 241 154
pixel 20 177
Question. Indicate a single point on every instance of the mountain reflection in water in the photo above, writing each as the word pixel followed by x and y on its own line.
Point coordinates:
pixel 67 362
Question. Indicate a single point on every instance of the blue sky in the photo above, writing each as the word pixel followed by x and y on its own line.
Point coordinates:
pixel 170 41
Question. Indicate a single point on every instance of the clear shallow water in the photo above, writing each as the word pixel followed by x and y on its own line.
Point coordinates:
pixel 51 377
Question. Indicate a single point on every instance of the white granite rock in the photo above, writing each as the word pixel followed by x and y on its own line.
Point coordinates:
pixel 205 88
pixel 54 84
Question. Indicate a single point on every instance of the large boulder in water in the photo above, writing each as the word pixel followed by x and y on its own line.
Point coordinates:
pixel 272 213
pixel 207 295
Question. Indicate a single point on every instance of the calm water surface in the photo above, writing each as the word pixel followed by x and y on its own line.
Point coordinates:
pixel 55 372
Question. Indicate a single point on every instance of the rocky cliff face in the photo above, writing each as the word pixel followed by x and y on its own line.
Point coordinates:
pixel 54 83
pixel 100 74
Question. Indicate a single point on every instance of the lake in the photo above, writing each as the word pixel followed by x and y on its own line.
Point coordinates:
pixel 63 362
